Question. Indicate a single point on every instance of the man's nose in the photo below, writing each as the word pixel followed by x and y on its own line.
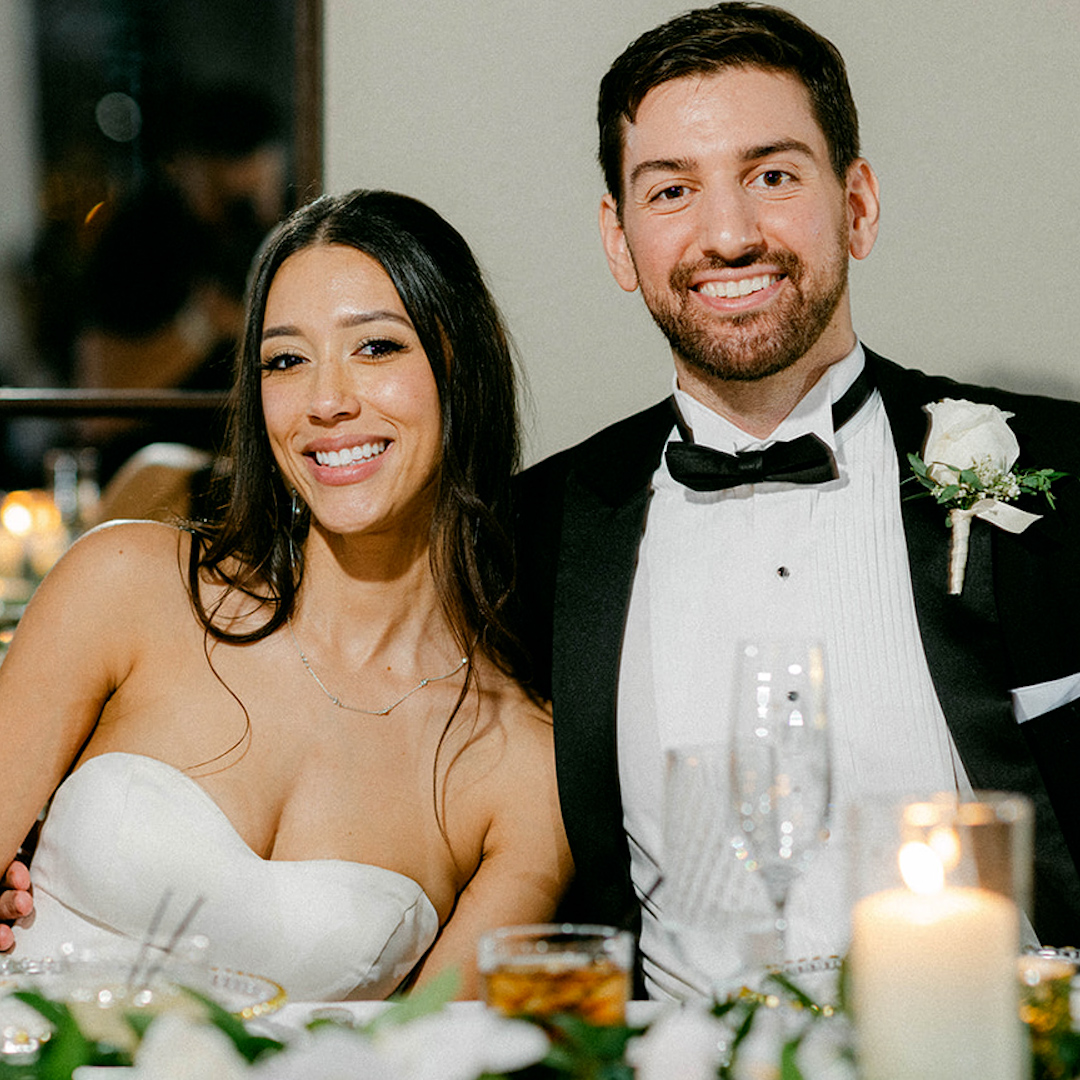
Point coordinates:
pixel 729 226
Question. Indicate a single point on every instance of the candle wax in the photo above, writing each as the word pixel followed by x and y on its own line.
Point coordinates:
pixel 934 986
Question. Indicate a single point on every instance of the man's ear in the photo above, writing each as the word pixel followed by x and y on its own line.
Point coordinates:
pixel 615 246
pixel 863 208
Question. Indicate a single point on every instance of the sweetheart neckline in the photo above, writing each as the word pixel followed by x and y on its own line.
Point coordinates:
pixel 191 784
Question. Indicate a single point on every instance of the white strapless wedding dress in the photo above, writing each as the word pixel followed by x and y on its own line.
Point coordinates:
pixel 124 829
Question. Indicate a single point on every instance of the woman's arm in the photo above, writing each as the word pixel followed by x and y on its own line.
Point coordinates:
pixel 525 865
pixel 72 649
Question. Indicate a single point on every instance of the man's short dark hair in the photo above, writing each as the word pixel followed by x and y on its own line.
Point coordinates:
pixel 708 40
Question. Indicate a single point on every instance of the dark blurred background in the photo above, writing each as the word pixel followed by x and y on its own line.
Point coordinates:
pixel 164 133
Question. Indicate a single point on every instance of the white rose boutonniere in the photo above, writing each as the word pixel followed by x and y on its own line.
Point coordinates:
pixel 967 466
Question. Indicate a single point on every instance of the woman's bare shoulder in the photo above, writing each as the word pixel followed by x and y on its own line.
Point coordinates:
pixel 123 558
pixel 115 590
pixel 144 538
pixel 522 721
pixel 151 562
pixel 504 693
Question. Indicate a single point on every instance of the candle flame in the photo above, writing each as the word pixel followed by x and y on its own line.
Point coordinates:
pixel 921 867
pixel 17 515
pixel 946 845
pixel 26 512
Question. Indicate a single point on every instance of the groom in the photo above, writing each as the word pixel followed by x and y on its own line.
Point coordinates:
pixel 736 196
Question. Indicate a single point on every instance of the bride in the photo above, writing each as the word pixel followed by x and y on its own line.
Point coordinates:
pixel 298 722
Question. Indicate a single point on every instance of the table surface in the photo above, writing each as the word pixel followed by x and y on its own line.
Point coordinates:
pixel 294 1015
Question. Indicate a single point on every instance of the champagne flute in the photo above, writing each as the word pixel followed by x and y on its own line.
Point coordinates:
pixel 780 766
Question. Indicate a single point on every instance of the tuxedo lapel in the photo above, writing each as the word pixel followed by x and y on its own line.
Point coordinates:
pixel 958 632
pixel 961 634
pixel 605 502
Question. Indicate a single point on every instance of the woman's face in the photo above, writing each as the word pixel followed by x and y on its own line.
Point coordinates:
pixel 350 402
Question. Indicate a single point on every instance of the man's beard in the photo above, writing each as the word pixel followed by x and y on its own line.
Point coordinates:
pixel 757 344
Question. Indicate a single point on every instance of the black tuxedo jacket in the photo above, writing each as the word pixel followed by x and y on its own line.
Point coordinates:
pixel 580 519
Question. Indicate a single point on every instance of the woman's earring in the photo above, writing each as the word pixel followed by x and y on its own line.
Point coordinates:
pixel 294 514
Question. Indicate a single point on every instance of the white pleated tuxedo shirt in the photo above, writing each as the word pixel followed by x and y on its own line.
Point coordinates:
pixel 826 562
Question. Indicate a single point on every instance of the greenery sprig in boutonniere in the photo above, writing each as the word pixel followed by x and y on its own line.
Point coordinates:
pixel 967 466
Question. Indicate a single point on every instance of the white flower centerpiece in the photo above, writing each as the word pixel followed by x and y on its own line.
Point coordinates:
pixel 417 1039
pixel 421 1038
pixel 967 466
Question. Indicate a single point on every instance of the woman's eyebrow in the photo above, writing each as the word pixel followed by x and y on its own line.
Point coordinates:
pixel 359 318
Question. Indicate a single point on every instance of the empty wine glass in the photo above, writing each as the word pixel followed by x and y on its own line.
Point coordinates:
pixel 699 898
pixel 780 765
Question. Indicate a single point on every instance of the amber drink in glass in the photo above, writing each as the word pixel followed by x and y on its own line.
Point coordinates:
pixel 550 969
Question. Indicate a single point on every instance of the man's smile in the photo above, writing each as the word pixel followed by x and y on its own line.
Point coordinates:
pixel 732 290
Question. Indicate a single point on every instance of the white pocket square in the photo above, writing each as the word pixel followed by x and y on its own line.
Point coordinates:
pixel 1030 702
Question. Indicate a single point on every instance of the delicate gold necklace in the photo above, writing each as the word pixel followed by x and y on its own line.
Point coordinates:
pixel 356 708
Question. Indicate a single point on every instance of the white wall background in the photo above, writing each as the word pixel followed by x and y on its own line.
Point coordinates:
pixel 969 114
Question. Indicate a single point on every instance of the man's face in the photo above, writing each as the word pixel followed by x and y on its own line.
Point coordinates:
pixel 735 226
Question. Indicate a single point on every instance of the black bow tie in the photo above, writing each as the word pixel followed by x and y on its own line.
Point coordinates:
pixel 805 460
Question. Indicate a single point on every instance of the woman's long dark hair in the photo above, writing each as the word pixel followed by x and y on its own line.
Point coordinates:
pixel 254 543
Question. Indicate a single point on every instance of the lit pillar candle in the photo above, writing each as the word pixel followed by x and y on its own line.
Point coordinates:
pixel 934 984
